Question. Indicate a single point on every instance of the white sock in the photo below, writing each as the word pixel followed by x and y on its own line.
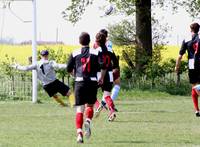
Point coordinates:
pixel 115 92
pixel 88 120
pixel 103 99
pixel 79 131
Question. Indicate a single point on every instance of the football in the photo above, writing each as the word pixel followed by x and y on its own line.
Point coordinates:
pixel 109 9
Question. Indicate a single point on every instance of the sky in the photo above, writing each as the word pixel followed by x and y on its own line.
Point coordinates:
pixel 50 21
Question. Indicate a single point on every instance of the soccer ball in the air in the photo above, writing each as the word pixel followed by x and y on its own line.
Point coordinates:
pixel 109 9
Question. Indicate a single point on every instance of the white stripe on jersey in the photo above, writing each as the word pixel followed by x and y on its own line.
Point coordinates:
pixel 110 73
pixel 76 52
pixel 78 79
pixel 100 49
pixel 94 51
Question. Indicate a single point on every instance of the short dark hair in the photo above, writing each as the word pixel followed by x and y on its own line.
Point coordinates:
pixel 104 31
pixel 101 39
pixel 194 27
pixel 44 53
pixel 84 38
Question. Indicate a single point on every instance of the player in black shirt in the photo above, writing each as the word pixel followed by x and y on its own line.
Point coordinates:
pixel 192 46
pixel 116 76
pixel 110 62
pixel 84 63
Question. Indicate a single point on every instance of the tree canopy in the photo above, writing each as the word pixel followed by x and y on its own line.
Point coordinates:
pixel 74 12
pixel 141 10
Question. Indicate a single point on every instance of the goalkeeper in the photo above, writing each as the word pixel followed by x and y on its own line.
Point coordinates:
pixel 46 74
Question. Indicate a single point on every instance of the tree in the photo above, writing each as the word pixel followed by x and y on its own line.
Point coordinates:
pixel 143 23
pixel 141 10
pixel 143 33
pixel 122 34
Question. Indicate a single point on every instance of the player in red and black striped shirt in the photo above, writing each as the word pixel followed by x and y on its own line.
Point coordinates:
pixel 111 62
pixel 85 63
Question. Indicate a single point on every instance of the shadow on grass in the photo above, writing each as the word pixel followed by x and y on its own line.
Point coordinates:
pixel 129 142
pixel 149 111
pixel 129 104
pixel 154 142
pixel 163 111
pixel 123 121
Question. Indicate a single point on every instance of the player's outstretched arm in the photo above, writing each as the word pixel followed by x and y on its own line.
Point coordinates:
pixel 24 68
pixel 115 61
pixel 102 67
pixel 58 65
pixel 70 64
pixel 178 62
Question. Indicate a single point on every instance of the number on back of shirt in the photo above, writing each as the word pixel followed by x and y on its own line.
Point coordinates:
pixel 85 64
pixel 106 60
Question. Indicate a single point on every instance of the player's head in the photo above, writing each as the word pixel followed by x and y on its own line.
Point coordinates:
pixel 194 27
pixel 44 54
pixel 84 39
pixel 104 31
pixel 101 39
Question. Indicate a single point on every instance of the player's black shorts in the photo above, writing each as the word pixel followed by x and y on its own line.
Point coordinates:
pixel 55 87
pixel 107 86
pixel 194 76
pixel 85 92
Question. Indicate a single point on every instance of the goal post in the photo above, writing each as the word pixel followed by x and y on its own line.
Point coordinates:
pixel 7 3
pixel 34 52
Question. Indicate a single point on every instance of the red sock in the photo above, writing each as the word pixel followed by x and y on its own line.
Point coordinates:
pixel 89 112
pixel 79 120
pixel 97 104
pixel 109 102
pixel 195 99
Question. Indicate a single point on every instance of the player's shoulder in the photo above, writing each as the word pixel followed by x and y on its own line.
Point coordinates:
pixel 51 62
pixel 109 45
pixel 103 50
pixel 187 38
pixel 42 62
pixel 99 49
pixel 94 51
pixel 76 52
pixel 110 50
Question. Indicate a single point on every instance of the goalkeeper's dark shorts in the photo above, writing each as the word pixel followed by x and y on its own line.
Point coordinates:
pixel 194 76
pixel 85 92
pixel 56 87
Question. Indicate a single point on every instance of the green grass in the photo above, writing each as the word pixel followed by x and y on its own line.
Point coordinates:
pixel 159 120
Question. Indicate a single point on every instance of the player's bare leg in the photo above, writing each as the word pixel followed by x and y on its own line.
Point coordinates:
pixel 60 101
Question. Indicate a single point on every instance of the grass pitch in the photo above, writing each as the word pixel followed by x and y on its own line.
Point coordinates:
pixel 162 121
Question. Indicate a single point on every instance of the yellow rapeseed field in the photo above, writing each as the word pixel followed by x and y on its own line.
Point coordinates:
pixel 22 52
